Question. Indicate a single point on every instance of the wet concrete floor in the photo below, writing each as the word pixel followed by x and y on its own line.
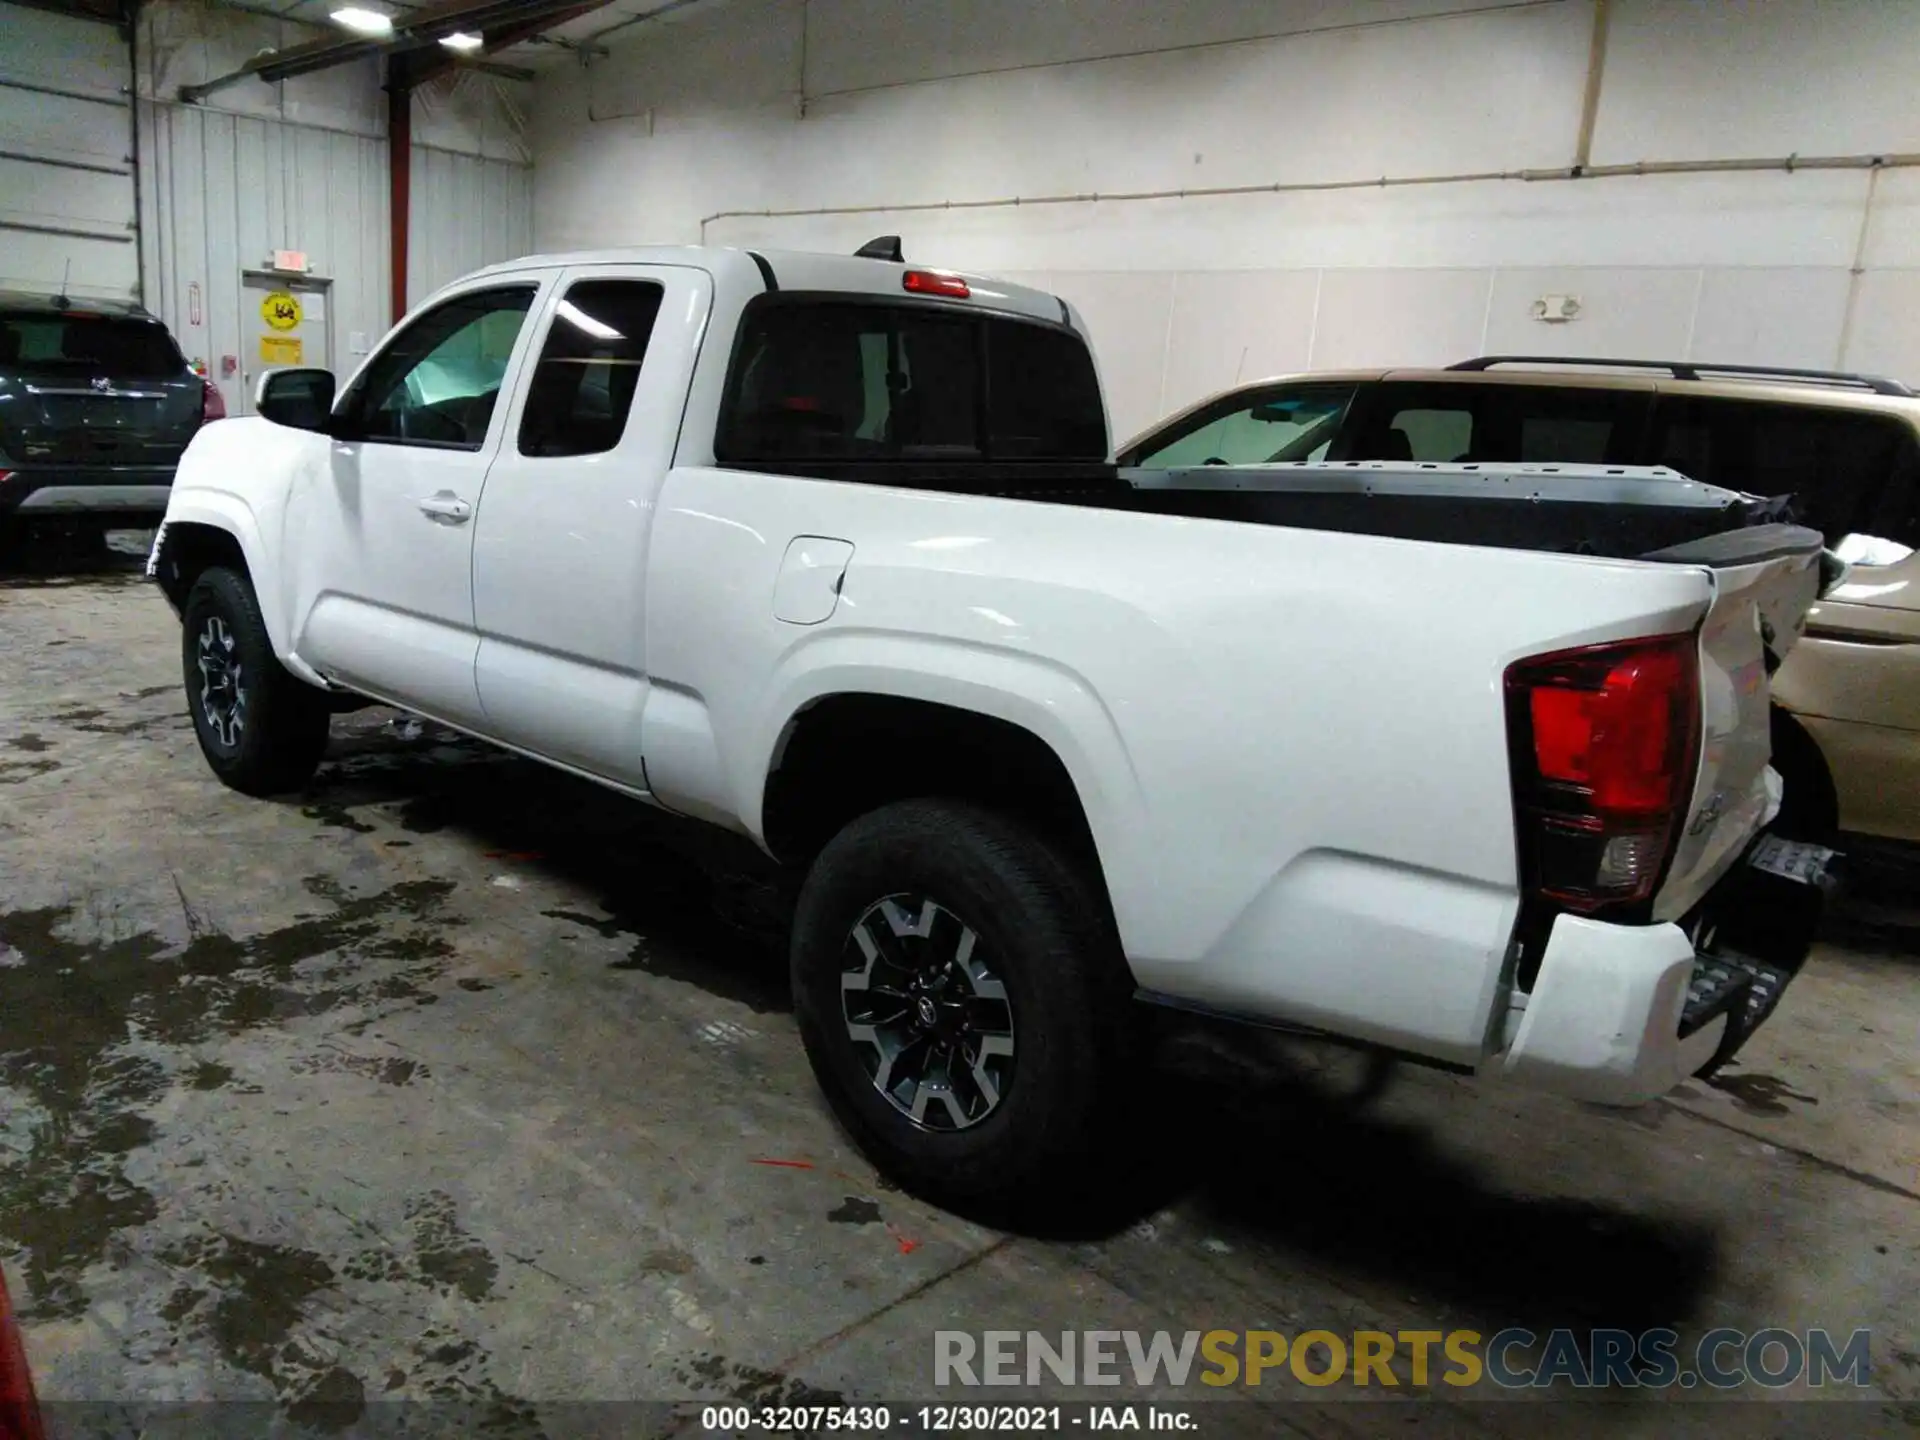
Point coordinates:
pixel 453 1080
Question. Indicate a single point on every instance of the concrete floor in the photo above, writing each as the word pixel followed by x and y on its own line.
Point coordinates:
pixel 455 1080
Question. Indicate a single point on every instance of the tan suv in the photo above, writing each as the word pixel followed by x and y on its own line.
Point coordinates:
pixel 1845 447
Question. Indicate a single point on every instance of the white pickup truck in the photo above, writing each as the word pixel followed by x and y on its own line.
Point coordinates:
pixel 1458 762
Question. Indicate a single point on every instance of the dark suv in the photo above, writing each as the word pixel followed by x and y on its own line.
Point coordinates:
pixel 96 405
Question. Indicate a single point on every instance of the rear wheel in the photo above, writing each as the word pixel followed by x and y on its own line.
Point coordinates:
pixel 262 730
pixel 963 1001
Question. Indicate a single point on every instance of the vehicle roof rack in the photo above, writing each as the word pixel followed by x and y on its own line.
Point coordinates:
pixel 1698 370
pixel 881 247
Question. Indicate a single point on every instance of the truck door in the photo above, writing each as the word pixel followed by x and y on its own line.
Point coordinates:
pixel 560 541
pixel 380 540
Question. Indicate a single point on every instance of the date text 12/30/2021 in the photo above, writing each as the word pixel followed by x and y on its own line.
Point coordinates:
pixel 859 1420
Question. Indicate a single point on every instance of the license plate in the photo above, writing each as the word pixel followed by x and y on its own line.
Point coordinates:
pixel 1791 859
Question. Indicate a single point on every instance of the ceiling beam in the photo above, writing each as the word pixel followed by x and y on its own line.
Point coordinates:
pixel 421 68
pixel 411 31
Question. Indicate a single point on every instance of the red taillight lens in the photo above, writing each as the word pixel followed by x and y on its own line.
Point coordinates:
pixel 1605 743
pixel 929 282
pixel 19 1413
pixel 1607 724
pixel 213 405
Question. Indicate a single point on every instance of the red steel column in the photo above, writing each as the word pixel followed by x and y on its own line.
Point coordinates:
pixel 399 180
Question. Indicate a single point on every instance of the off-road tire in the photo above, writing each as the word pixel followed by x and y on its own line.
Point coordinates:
pixel 1045 924
pixel 273 740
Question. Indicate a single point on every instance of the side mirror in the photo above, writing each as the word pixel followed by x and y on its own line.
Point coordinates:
pixel 302 399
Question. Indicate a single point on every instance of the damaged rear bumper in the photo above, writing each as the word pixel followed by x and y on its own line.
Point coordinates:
pixel 1620 1014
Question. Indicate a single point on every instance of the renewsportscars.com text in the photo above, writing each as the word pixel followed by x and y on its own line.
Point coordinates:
pixel 1514 1358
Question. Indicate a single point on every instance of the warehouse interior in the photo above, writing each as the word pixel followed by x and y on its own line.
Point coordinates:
pixel 455 1093
pixel 1666 167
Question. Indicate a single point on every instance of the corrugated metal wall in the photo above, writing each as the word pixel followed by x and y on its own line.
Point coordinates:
pixel 223 192
pixel 66 164
pixel 468 211
pixel 302 165
pixel 472 179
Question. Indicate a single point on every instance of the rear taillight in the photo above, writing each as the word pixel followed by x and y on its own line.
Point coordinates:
pixel 213 405
pixel 19 1413
pixel 1605 742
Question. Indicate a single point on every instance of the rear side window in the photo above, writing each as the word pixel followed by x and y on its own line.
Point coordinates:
pixel 853 381
pixel 1498 424
pixel 583 384
pixel 1840 466
pixel 102 345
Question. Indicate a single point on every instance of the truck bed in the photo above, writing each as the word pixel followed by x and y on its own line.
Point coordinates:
pixel 1614 512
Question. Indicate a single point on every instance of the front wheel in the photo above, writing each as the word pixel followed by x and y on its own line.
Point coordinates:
pixel 262 729
pixel 963 1001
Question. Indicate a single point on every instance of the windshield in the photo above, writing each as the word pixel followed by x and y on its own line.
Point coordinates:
pixel 106 345
pixel 1266 428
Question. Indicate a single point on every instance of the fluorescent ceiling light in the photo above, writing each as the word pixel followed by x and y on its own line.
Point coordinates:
pixel 462 40
pixel 362 21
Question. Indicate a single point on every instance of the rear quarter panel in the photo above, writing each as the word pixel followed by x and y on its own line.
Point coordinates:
pixel 1735 793
pixel 1290 745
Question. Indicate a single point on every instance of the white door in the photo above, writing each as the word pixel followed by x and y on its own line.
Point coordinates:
pixel 382 537
pixel 560 546
pixel 283 320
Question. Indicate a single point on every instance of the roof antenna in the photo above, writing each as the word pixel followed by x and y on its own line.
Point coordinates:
pixel 61 299
pixel 883 247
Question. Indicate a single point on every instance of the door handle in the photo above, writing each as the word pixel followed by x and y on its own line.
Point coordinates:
pixel 447 506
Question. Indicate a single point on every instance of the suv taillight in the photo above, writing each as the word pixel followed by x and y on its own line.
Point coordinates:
pixel 19 1414
pixel 1605 742
pixel 213 405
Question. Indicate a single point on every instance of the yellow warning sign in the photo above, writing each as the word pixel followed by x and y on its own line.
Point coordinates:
pixel 281 310
pixel 281 350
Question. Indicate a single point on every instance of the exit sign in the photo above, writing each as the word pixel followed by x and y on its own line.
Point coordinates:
pixel 294 260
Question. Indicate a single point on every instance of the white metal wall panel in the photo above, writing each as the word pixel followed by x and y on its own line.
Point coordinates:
pixel 66 155
pixel 791 105
pixel 473 114
pixel 185 42
pixel 224 192
pixel 467 212
pixel 302 165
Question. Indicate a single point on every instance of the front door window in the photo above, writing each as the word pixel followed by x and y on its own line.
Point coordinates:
pixel 438 381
